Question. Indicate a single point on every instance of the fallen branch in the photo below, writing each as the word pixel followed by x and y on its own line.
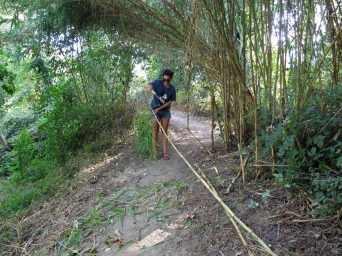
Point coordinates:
pixel 279 198
pixel 231 184
pixel 226 208
pixel 211 154
pixel 286 214
pixel 311 220
pixel 291 214
pixel 228 155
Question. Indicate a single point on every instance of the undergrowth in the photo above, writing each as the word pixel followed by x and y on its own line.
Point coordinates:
pixel 308 152
pixel 142 128
pixel 40 148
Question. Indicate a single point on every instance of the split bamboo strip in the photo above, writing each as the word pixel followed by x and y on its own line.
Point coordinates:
pixel 206 148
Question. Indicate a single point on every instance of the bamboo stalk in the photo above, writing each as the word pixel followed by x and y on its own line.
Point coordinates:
pixel 243 225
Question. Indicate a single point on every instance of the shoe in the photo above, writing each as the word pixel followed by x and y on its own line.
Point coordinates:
pixel 166 156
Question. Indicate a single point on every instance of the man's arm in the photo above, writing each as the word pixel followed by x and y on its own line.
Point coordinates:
pixel 167 104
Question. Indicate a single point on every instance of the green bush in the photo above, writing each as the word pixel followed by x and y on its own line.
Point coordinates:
pixel 23 152
pixel 309 146
pixel 14 129
pixel 69 125
pixel 14 124
pixel 17 201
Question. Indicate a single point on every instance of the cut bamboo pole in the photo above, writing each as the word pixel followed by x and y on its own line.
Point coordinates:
pixel 225 207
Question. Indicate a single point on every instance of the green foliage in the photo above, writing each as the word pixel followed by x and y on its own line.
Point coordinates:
pixel 38 181
pixel 28 173
pixel 264 196
pixel 142 127
pixel 14 127
pixel 23 152
pixel 15 122
pixel 69 125
pixel 17 201
pixel 7 77
pixel 41 70
pixel 7 80
pixel 310 150
pixel 253 204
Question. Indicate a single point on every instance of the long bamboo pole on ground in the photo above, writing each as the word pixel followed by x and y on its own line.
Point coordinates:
pixel 229 216
pixel 225 207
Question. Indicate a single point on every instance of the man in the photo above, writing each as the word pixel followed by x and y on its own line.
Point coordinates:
pixel 164 93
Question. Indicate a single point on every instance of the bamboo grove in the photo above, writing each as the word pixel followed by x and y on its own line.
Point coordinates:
pixel 273 69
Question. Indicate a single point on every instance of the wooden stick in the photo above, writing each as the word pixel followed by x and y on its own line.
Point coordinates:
pixel 287 214
pixel 226 208
pixel 228 155
pixel 231 184
pixel 270 165
pixel 229 216
pixel 211 154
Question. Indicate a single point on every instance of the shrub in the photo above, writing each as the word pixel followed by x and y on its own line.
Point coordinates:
pixel 309 146
pixel 142 127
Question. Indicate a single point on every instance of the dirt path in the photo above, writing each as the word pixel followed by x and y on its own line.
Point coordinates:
pixel 162 236
pixel 126 205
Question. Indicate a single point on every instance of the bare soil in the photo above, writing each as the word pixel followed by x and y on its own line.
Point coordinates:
pixel 126 205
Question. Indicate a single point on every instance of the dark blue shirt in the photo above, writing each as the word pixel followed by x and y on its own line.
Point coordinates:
pixel 166 94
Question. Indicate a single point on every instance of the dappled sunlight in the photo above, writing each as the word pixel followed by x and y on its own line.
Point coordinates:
pixel 107 160
pixel 154 238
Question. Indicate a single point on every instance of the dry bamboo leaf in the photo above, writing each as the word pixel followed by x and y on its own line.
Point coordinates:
pixel 317 236
pixel 287 214
pixel 121 243
pixel 116 239
pixel 302 247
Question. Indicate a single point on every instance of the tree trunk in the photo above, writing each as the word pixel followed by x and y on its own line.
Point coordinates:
pixel 3 140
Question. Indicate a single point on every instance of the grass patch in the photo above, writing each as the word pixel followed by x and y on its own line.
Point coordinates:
pixel 142 127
